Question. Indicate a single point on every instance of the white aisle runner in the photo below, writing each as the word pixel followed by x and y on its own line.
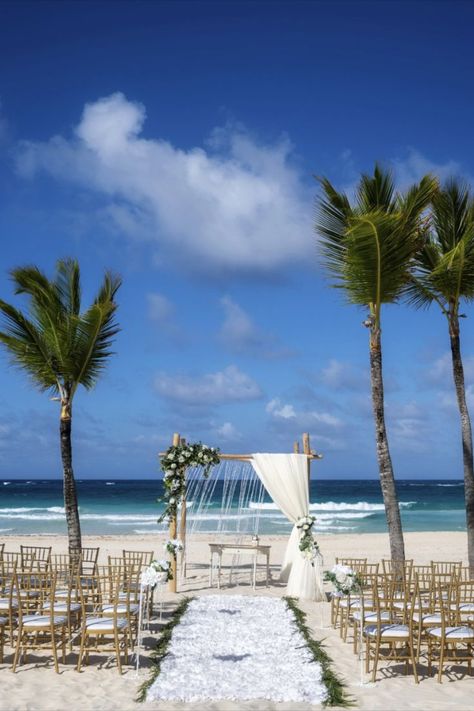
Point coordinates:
pixel 238 647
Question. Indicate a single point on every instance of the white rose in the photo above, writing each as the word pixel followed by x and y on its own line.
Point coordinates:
pixel 305 527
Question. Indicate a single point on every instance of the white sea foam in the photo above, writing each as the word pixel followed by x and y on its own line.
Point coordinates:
pixel 458 484
pixel 110 483
pixel 333 506
pixel 26 509
pixel 5 530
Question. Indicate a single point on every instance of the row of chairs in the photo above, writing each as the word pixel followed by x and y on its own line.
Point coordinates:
pixel 50 603
pixel 403 612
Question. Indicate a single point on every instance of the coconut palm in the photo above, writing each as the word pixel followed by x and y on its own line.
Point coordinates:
pixel 366 248
pixel 60 348
pixel 444 274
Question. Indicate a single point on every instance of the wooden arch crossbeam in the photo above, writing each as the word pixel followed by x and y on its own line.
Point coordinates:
pixel 173 529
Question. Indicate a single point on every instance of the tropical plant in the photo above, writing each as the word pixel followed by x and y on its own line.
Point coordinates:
pixel 60 348
pixel 444 275
pixel 366 248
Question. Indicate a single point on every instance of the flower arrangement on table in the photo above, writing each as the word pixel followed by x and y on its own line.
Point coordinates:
pixel 174 463
pixel 344 579
pixel 308 546
pixel 159 571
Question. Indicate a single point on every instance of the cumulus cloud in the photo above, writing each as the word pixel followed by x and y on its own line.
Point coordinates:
pixel 236 205
pixel 228 385
pixel 285 411
pixel 229 432
pixel 414 166
pixel 240 334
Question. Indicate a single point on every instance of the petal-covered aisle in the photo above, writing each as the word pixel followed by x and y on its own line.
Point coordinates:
pixel 240 648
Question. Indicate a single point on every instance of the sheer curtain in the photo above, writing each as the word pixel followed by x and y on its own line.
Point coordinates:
pixel 285 477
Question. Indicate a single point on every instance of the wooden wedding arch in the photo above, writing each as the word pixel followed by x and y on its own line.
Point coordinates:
pixel 173 524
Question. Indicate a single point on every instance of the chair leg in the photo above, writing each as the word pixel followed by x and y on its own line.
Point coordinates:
pixel 413 661
pixel 17 650
pixel 117 652
pixel 376 660
pixel 55 651
pixel 441 659
pixel 81 651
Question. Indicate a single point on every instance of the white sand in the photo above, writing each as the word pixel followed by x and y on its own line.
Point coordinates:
pixel 36 687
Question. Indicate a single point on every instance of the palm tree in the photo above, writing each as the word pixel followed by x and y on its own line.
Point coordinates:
pixel 60 348
pixel 444 274
pixel 366 247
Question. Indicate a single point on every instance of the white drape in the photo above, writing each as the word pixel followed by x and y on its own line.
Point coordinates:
pixel 285 477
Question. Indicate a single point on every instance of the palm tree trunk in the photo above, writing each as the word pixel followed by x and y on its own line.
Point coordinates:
pixel 69 486
pixel 466 433
pixel 387 480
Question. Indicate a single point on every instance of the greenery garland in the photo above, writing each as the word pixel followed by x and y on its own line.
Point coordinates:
pixel 337 695
pixel 174 463
pixel 161 648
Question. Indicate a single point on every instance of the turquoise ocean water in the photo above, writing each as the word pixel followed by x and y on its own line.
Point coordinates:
pixel 130 506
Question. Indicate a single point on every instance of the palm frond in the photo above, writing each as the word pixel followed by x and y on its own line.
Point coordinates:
pixel 27 347
pixel 57 345
pixel 376 192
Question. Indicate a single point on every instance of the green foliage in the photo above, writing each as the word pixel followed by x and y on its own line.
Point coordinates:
pixel 57 345
pixel 337 695
pixel 161 648
pixel 444 268
pixel 367 247
pixel 174 463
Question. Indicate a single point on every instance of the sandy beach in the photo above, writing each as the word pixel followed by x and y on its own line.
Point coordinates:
pixel 100 688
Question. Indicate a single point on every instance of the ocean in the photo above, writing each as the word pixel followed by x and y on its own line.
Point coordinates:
pixel 130 506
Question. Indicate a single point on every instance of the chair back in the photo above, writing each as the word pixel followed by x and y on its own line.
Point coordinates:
pixel 446 567
pixel 31 589
pixel 464 601
pixel 142 558
pixel 89 558
pixel 358 565
pixel 37 558
pixel 11 560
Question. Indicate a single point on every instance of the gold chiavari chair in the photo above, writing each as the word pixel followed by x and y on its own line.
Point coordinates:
pixel 36 558
pixel 358 565
pixel 426 613
pixel 142 558
pixel 11 560
pixel 64 600
pixel 44 629
pixel 403 568
pixel 452 640
pixel 89 560
pixel 385 637
pixel 446 567
pixel 8 604
pixel 103 628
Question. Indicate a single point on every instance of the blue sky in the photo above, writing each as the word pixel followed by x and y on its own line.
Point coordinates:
pixel 176 144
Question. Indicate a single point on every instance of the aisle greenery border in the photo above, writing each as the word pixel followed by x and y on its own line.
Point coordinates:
pixel 161 649
pixel 337 695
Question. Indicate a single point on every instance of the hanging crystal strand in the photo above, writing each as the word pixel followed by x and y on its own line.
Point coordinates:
pixel 261 496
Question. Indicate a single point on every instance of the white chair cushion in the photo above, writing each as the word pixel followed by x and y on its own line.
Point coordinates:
pixel 63 606
pixel 400 631
pixel 122 608
pixel 434 618
pixel 453 632
pixel 355 602
pixel 372 616
pixel 466 607
pixel 6 604
pixel 105 624
pixel 42 620
pixel 2 621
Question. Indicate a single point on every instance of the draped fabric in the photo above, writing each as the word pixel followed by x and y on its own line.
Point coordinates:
pixel 285 477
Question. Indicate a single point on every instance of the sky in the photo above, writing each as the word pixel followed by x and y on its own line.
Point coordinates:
pixel 176 143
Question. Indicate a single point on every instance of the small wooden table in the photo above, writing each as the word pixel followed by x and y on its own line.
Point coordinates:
pixel 251 549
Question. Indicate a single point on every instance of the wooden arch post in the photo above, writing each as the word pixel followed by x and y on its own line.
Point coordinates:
pixel 173 584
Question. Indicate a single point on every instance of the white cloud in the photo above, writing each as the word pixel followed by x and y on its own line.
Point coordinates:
pixel 277 409
pixel 239 205
pixel 240 334
pixel 228 385
pixel 286 411
pixel 229 432
pixel 411 169
pixel 441 370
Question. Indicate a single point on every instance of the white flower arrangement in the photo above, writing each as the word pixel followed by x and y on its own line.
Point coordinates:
pixel 174 546
pixel 159 571
pixel 308 546
pixel 344 579
pixel 174 464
